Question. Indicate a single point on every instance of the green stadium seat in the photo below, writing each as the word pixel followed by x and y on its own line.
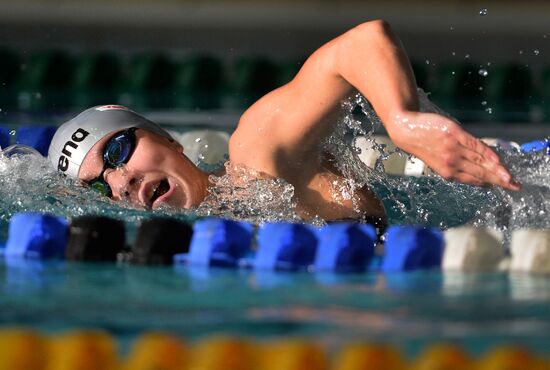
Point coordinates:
pixel 420 71
pixel 45 80
pixel 288 70
pixel 545 94
pixel 459 91
pixel 509 91
pixel 148 82
pixel 199 82
pixel 10 68
pixel 96 79
pixel 252 77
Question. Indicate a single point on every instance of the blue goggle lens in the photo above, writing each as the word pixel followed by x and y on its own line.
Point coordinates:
pixel 119 149
pixel 116 153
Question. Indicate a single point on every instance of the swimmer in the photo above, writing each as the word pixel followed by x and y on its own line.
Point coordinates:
pixel 130 158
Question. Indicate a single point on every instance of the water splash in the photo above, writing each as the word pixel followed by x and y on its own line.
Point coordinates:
pixel 528 208
pixel 433 201
pixel 27 183
pixel 245 194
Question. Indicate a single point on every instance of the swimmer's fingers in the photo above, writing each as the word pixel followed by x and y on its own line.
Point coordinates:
pixel 476 170
pixel 483 164
pixel 451 151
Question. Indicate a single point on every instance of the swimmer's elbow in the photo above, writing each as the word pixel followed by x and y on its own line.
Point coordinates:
pixel 371 29
pixel 370 40
pixel 364 41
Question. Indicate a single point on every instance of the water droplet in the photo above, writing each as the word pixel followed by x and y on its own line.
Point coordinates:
pixel 453 73
pixel 483 72
pixel 536 51
pixel 451 28
pixel 198 140
pixel 489 110
pixel 38 95
pixel 467 56
pixel 520 52
pixel 488 64
pixel 453 53
pixel 427 61
pixel 480 88
pixel 483 12
pixel 484 103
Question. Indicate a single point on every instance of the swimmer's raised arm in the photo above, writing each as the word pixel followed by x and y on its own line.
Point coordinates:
pixel 369 59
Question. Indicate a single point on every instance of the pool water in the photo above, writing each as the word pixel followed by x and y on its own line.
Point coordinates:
pixel 410 310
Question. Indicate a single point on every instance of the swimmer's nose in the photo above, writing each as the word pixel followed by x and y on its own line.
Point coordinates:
pixel 123 183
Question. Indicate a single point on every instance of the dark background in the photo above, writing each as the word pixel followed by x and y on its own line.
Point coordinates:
pixel 449 42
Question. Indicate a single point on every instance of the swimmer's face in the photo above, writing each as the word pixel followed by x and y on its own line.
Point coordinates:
pixel 157 173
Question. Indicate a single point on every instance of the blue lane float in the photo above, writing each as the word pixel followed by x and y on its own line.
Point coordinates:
pixel 285 247
pixel 218 242
pixel 334 248
pixel 38 137
pixel 536 146
pixel 4 137
pixel 345 247
pixel 37 236
pixel 409 248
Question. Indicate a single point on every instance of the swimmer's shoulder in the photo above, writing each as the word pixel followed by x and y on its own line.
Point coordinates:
pixel 259 137
pixel 247 147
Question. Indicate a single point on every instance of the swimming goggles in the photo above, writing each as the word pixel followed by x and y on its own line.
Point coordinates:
pixel 116 153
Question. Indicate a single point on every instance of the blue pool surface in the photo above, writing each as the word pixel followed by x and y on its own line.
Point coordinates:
pixel 410 310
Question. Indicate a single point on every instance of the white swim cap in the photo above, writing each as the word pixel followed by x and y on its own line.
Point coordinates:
pixel 74 139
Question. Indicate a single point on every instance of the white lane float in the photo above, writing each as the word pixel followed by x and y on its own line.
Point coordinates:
pixel 396 163
pixel 503 144
pixel 530 249
pixel 473 249
pixel 204 146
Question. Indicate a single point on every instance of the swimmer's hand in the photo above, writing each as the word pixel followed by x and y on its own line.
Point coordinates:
pixel 449 150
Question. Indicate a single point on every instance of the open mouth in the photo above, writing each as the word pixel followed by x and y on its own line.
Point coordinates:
pixel 162 188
